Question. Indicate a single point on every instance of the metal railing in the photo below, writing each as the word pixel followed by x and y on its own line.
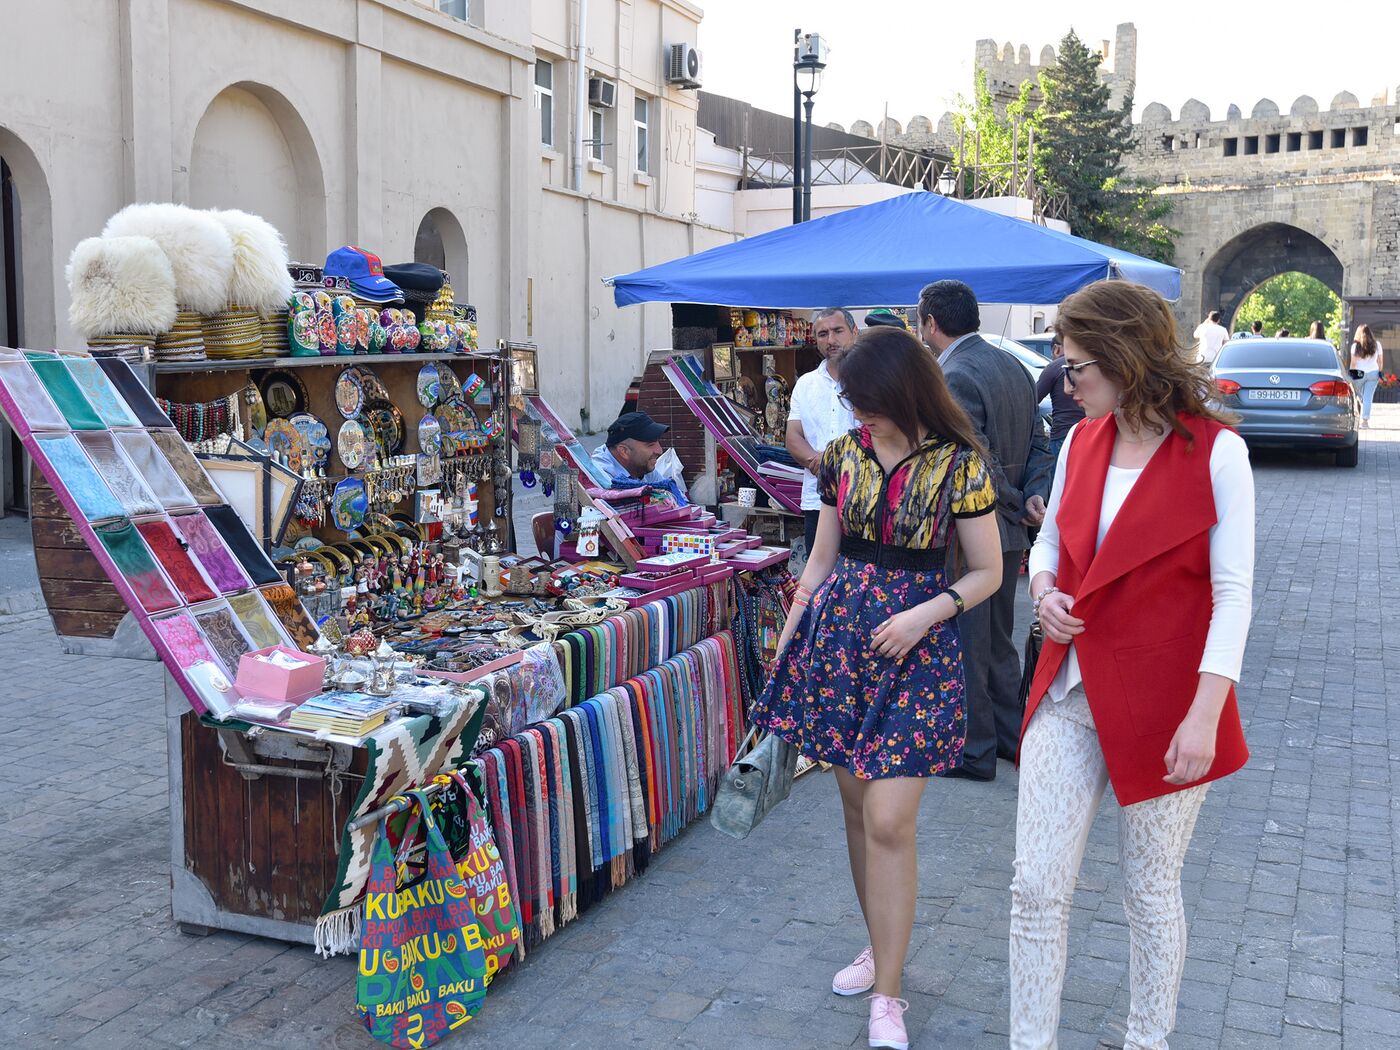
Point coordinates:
pixel 898 166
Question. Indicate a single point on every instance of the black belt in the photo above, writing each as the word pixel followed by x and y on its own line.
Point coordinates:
pixel 886 556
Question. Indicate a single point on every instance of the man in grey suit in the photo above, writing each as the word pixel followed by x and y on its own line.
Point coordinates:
pixel 999 395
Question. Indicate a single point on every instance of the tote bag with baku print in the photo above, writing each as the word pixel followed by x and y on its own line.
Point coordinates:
pixel 422 963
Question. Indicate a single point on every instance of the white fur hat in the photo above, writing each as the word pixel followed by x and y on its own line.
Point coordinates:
pixel 198 247
pixel 120 285
pixel 260 278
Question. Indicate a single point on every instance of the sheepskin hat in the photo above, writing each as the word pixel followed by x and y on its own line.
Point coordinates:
pixel 198 247
pixel 260 278
pixel 120 285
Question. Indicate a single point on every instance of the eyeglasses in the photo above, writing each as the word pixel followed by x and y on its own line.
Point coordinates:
pixel 1072 372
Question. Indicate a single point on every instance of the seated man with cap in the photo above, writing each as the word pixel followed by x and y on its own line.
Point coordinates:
pixel 628 456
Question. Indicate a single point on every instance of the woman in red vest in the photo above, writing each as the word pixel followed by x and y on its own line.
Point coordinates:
pixel 1141 580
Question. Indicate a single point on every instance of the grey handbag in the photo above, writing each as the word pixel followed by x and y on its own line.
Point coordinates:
pixel 759 778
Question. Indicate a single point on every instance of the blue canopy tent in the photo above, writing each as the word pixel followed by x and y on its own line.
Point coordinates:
pixel 882 254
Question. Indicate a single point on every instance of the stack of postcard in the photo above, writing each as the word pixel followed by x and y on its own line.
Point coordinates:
pixel 344 714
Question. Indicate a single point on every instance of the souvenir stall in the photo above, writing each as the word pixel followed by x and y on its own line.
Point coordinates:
pixel 366 681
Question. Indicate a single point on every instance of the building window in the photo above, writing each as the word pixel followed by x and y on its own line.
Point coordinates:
pixel 1232 146
pixel 1295 141
pixel 544 99
pixel 1167 141
pixel 1251 145
pixel 1314 140
pixel 1339 137
pixel 641 115
pixel 1271 143
pixel 455 8
pixel 1359 136
pixel 597 133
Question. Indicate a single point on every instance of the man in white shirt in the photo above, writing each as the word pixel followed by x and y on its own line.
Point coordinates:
pixel 816 414
pixel 1210 336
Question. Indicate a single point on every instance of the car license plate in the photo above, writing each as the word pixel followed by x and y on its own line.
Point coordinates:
pixel 1275 395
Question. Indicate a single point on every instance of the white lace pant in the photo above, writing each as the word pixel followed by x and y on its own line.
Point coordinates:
pixel 1063 777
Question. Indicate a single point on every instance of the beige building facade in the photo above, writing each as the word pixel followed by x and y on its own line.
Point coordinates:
pixel 452 131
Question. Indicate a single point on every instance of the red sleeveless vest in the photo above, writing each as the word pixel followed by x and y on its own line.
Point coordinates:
pixel 1145 599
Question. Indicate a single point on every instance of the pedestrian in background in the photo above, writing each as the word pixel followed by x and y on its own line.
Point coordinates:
pixel 1064 409
pixel 999 396
pixel 1141 580
pixel 1368 357
pixel 1282 333
pixel 1317 330
pixel 816 413
pixel 1210 336
pixel 869 675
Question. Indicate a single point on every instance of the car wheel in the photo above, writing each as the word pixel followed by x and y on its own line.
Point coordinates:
pixel 1348 457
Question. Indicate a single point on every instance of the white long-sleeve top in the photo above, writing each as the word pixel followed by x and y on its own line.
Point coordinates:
pixel 1231 553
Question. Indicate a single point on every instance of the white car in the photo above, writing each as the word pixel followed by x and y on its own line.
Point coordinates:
pixel 1033 362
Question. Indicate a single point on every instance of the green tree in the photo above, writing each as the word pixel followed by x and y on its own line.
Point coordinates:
pixel 989 138
pixel 1082 140
pixel 1294 301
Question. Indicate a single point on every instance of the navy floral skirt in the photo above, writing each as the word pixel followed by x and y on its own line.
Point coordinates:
pixel 837 700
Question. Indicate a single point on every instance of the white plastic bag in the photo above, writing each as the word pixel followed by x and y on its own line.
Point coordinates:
pixel 669 467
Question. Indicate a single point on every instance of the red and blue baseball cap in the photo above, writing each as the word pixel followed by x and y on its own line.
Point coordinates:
pixel 364 271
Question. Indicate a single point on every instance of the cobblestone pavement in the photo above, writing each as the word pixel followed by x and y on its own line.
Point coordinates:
pixel 1290 881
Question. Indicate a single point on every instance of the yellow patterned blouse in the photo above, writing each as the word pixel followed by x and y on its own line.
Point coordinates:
pixel 914 506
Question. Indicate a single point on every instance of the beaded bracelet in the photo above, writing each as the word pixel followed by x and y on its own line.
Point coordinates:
pixel 1039 598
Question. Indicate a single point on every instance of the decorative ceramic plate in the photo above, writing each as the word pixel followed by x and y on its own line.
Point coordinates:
pixel 283 393
pixel 349 502
pixel 456 417
pixel 282 437
pixel 429 434
pixel 450 385
pixel 374 387
pixel 385 423
pixel 352 445
pixel 429 386
pixel 349 393
pixel 315 434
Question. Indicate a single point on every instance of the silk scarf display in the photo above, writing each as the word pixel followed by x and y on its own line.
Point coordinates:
pixel 224 635
pixel 585 798
pixel 209 550
pixel 179 568
pixel 36 409
pixel 245 548
pixel 186 466
pixel 121 479
pixel 160 476
pixel 100 392
pixel 292 615
pixel 77 476
pixel 259 624
pixel 128 552
pixel 134 392
pixel 58 381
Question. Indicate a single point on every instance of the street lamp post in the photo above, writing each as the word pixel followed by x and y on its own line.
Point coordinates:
pixel 796 130
pixel 811 60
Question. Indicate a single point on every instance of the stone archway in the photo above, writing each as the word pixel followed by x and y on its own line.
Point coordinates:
pixel 441 242
pixel 1245 262
pixel 252 151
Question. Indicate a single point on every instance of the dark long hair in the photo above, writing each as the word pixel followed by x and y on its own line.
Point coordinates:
pixel 889 373
pixel 1364 341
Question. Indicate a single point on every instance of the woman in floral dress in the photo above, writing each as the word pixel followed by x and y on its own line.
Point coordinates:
pixel 872 679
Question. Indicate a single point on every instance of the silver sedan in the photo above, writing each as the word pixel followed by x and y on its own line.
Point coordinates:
pixel 1290 393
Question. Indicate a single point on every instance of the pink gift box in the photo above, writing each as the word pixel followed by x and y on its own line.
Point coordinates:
pixel 678 560
pixel 266 681
pixel 720 570
pixel 656 596
pixel 648 583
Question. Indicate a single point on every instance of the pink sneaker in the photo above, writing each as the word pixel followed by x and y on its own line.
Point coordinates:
pixel 887 1022
pixel 858 977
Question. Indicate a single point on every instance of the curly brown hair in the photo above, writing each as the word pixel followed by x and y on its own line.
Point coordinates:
pixel 1129 331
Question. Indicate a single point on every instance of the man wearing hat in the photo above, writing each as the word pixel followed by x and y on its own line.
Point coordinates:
pixel 628 456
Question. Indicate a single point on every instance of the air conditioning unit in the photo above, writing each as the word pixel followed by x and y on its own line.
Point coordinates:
pixel 683 66
pixel 602 94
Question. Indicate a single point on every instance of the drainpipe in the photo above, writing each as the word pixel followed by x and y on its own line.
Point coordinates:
pixel 580 94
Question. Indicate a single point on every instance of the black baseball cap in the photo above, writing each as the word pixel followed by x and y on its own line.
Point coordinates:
pixel 635 426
